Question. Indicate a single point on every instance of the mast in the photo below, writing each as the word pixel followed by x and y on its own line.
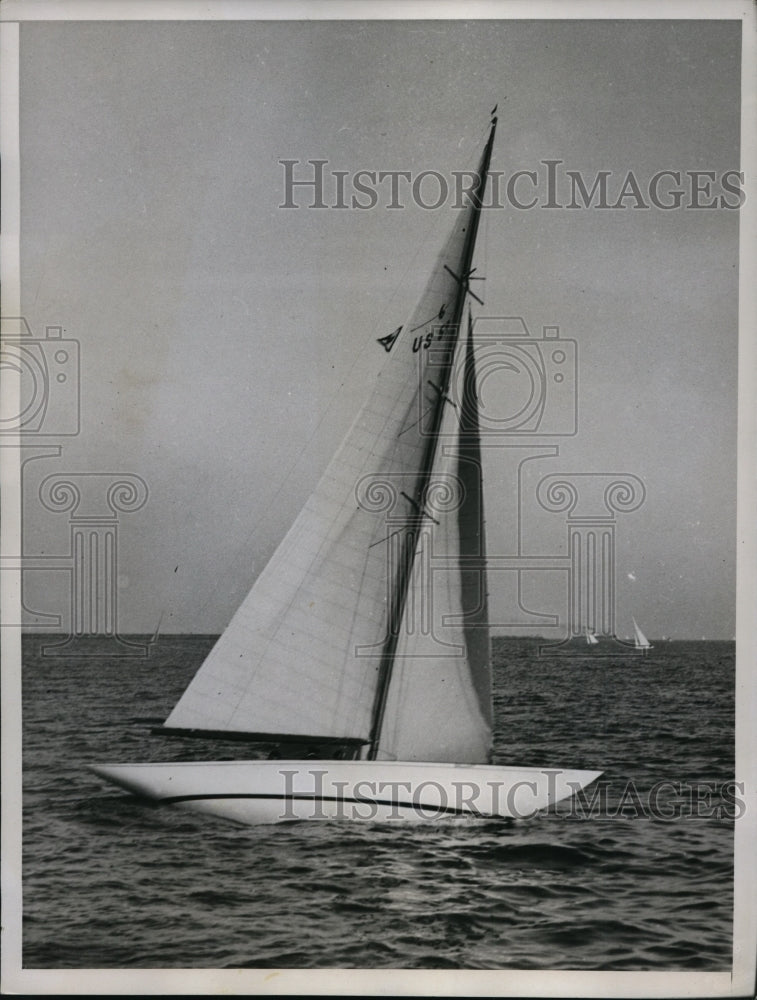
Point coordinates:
pixel 410 538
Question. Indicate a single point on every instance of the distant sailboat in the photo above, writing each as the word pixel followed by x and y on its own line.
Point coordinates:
pixel 364 670
pixel 640 641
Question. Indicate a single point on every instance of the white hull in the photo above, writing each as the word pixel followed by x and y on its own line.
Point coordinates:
pixel 276 791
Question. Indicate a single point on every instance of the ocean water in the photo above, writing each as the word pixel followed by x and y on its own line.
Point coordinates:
pixel 641 879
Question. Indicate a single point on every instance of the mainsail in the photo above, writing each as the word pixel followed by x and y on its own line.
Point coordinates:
pixel 367 626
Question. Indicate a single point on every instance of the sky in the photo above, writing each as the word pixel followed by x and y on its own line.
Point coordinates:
pixel 227 343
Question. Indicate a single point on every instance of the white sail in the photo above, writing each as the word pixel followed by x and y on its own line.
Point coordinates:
pixel 640 640
pixel 439 703
pixel 308 649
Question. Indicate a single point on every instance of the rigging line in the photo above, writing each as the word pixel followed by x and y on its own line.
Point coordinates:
pixel 415 422
pixel 443 395
pixel 418 507
pixel 439 315
pixel 428 410
pixel 385 538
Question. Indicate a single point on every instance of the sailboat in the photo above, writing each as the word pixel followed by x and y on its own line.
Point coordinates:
pixel 360 659
pixel 640 641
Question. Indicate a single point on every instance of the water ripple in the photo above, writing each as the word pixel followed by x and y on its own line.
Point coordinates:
pixel 111 882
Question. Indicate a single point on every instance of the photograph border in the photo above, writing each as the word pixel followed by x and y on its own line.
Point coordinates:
pixel 741 980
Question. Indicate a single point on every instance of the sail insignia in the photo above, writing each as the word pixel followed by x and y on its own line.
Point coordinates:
pixel 390 339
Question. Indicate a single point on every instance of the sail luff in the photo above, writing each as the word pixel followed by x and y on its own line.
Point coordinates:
pixel 410 536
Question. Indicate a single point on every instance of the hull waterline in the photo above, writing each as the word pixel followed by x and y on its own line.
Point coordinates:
pixel 261 792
